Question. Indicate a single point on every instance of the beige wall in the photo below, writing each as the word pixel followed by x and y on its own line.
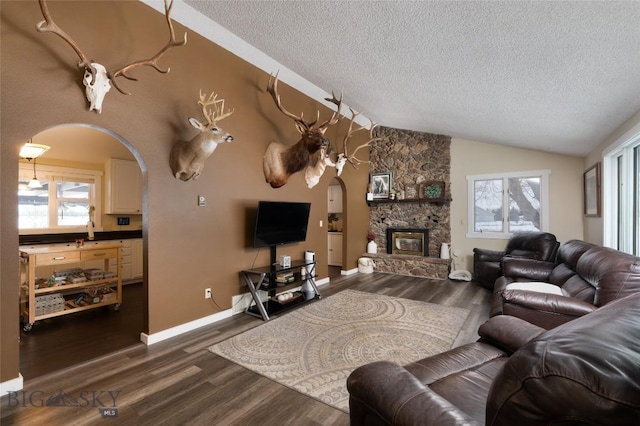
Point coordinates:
pixel 565 187
pixel 188 248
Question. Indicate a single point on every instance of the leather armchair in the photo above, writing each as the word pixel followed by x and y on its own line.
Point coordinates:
pixel 487 264
pixel 585 277
pixel 583 372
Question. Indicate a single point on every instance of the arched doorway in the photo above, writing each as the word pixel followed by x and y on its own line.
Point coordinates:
pixel 336 226
pixel 77 151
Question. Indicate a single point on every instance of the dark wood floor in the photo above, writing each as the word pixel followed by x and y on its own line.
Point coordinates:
pixel 65 341
pixel 179 382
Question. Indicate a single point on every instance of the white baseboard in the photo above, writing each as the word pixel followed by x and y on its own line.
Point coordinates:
pixel 12 385
pixel 349 272
pixel 150 339
pixel 239 303
pixel 322 281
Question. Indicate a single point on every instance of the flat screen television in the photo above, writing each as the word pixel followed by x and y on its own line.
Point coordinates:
pixel 281 222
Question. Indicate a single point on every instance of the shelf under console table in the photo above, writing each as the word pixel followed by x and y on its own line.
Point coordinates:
pixel 266 279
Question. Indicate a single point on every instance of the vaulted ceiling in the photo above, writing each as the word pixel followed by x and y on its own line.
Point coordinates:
pixel 558 76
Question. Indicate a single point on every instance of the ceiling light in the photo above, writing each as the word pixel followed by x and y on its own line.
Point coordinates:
pixel 34 183
pixel 33 150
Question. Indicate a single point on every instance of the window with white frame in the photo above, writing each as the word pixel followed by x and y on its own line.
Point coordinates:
pixel 503 203
pixel 621 212
pixel 66 201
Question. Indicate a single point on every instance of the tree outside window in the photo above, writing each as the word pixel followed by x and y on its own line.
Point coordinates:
pixel 507 203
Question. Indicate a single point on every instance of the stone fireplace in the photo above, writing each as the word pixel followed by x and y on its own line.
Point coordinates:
pixel 411 158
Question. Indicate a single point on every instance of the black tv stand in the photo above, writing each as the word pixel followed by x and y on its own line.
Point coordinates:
pixel 265 278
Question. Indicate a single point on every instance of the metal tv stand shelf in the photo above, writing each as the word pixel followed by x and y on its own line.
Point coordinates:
pixel 265 278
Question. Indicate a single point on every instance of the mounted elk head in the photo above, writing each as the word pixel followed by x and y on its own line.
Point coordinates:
pixel 187 157
pixel 281 161
pixel 97 79
pixel 344 156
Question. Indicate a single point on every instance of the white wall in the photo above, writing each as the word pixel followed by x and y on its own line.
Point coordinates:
pixel 565 190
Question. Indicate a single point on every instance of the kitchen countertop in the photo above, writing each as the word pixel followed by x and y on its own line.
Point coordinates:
pixel 71 237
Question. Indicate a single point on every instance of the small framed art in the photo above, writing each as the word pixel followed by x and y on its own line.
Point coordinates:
pixel 411 191
pixel 432 190
pixel 380 185
pixel 592 191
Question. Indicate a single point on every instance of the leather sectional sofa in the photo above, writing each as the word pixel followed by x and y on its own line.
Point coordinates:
pixel 586 371
pixel 583 278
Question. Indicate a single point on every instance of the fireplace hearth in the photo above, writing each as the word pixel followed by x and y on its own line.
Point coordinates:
pixel 408 241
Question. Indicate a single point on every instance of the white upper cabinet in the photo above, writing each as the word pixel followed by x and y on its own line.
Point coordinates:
pixel 123 180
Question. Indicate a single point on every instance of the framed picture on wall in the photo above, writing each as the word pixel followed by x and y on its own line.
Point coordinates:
pixel 432 190
pixel 592 191
pixel 380 185
pixel 411 191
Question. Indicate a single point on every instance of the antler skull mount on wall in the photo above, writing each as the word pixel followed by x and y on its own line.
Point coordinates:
pixel 97 79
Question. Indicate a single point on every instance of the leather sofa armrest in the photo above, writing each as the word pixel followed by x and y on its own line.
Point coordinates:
pixel 534 270
pixel 385 393
pixel 543 309
pixel 508 333
pixel 486 255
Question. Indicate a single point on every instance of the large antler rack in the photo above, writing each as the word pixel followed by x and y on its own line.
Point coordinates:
pixel 351 158
pixel 272 89
pixel 218 112
pixel 48 25
pixel 153 61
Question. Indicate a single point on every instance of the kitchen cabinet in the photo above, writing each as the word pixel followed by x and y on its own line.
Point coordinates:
pixel 137 270
pixel 130 259
pixel 123 181
pixel 68 290
pixel 334 197
pixel 335 249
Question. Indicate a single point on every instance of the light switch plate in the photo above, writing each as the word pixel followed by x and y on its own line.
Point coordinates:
pixel 202 201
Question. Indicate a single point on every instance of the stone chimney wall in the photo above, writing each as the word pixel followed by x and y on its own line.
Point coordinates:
pixel 412 157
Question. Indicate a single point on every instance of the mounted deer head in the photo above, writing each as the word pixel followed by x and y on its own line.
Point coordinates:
pixel 187 157
pixel 344 156
pixel 97 79
pixel 281 161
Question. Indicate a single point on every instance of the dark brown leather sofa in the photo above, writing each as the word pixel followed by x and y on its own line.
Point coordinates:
pixel 487 264
pixel 587 276
pixel 586 371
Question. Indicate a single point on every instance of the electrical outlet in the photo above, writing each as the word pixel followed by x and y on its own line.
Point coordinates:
pixel 207 293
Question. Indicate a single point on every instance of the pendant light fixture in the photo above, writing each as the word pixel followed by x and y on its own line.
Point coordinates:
pixel 34 183
pixel 31 151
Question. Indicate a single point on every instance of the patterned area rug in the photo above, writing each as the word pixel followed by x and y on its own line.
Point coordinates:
pixel 314 349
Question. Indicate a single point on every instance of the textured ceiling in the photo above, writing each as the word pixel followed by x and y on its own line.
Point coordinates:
pixel 554 76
